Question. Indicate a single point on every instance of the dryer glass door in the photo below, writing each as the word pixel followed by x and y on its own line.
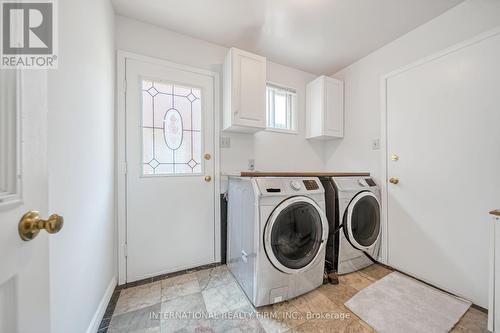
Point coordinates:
pixel 363 220
pixel 294 234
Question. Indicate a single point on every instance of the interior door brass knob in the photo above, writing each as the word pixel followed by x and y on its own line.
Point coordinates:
pixel 208 179
pixel 31 224
pixel 207 156
pixel 394 180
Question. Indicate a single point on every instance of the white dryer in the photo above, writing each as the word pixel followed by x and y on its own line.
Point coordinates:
pixel 277 232
pixel 353 210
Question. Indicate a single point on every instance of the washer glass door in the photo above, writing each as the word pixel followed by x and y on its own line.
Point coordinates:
pixel 363 220
pixel 294 234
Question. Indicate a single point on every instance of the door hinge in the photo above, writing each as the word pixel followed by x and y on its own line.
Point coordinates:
pixel 125 250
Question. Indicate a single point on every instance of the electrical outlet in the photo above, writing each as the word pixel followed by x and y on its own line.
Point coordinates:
pixel 251 164
pixel 376 144
pixel 225 142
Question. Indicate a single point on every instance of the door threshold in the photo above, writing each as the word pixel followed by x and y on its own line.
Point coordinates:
pixel 166 276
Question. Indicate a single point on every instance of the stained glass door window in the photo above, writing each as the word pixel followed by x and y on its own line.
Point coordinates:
pixel 171 129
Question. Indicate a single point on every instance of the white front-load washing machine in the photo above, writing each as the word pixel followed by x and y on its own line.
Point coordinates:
pixel 277 232
pixel 353 210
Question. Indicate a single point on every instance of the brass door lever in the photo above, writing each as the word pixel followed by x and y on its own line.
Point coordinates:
pixel 394 180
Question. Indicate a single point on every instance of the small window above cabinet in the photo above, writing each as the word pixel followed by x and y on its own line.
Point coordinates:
pixel 325 109
pixel 281 109
pixel 244 92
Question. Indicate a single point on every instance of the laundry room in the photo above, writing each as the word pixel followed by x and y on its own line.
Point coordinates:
pixel 250 166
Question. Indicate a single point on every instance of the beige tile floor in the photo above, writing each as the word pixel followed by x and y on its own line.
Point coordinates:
pixel 212 301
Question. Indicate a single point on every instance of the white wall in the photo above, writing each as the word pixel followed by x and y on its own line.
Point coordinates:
pixel 362 79
pixel 271 150
pixel 81 163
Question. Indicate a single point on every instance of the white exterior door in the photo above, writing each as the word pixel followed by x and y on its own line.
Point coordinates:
pixel 24 265
pixel 442 127
pixel 170 201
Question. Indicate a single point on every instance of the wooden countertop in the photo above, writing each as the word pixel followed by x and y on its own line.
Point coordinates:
pixel 302 174
pixel 495 212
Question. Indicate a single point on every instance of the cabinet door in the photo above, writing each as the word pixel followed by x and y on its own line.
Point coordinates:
pixel 334 111
pixel 250 90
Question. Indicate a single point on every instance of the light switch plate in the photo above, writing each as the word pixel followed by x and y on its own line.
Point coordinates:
pixel 225 142
pixel 376 144
pixel 251 164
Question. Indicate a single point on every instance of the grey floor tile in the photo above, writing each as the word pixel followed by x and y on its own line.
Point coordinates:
pixel 280 317
pixel 189 302
pixel 184 288
pixel 135 298
pixel 179 279
pixel 138 321
pixel 185 313
pixel 104 323
pixel 214 277
pixel 223 299
pixel 248 325
pixel 243 319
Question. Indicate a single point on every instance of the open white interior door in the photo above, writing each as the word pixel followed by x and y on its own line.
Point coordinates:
pixel 24 265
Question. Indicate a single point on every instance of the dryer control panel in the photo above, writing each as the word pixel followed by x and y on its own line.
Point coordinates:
pixel 354 183
pixel 289 185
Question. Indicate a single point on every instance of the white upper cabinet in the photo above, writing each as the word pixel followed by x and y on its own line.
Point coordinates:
pixel 244 92
pixel 325 109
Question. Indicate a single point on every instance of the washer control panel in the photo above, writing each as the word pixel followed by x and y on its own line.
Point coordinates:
pixel 295 185
pixel 289 185
pixel 311 184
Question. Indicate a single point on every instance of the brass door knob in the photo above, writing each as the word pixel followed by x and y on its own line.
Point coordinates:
pixel 207 156
pixel 208 179
pixel 31 224
pixel 394 180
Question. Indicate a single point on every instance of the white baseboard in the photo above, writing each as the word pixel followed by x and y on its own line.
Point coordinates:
pixel 101 309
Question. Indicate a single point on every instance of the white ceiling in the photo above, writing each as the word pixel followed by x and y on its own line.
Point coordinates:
pixel 318 36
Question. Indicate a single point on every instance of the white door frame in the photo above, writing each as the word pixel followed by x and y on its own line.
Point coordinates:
pixel 121 164
pixel 383 108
